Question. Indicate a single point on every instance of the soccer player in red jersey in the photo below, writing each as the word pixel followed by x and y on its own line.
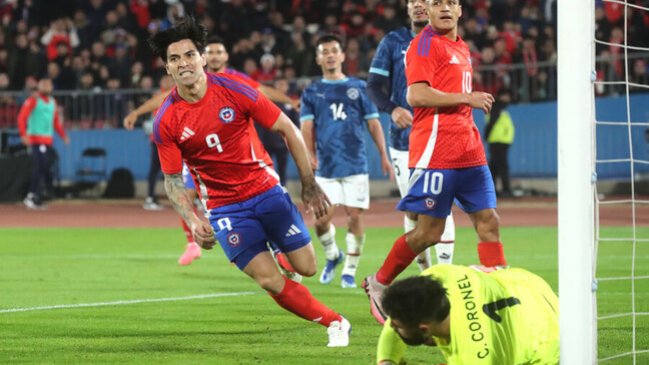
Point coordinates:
pixel 207 122
pixel 446 158
pixel 217 58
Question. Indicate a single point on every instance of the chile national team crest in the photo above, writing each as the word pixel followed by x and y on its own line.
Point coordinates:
pixel 233 239
pixel 226 114
pixel 430 203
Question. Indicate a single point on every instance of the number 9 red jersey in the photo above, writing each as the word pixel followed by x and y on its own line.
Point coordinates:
pixel 217 140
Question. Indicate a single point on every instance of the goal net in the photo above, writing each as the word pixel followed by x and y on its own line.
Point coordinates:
pixel 603 106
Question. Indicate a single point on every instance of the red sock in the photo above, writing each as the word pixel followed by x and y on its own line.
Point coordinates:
pixel 297 299
pixel 282 260
pixel 188 232
pixel 491 254
pixel 400 256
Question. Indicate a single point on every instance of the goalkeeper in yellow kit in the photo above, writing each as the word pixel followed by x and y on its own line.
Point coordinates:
pixel 506 317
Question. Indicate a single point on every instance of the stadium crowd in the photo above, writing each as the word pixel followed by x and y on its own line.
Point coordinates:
pixel 100 44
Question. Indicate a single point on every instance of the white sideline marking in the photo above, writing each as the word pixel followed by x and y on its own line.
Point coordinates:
pixel 125 302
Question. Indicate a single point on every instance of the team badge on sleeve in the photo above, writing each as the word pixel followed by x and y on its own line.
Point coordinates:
pixel 226 114
pixel 430 203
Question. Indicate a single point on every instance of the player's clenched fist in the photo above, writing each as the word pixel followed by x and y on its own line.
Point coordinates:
pixel 481 100
pixel 315 199
pixel 204 235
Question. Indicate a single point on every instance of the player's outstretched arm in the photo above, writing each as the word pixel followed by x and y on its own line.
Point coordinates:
pixel 421 95
pixel 309 139
pixel 312 195
pixel 278 96
pixel 376 131
pixel 201 230
pixel 147 107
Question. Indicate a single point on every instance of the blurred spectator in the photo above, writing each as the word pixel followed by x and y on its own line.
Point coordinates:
pixel 250 67
pixel 112 33
pixel 268 42
pixel 356 62
pixel 639 75
pixel 62 77
pixel 388 21
pixel 61 32
pixel 115 106
pixel 299 29
pixel 140 8
pixel 120 65
pixel 85 103
pixel 280 36
pixel 299 56
pixel 267 72
pixel 137 72
pixel 19 60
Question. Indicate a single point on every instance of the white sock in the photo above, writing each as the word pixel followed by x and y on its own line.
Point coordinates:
pixel 328 241
pixel 444 249
pixel 408 224
pixel 354 250
pixel 423 260
pixel 444 252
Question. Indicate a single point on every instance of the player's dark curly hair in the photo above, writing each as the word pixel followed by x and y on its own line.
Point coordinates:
pixel 416 300
pixel 329 38
pixel 184 28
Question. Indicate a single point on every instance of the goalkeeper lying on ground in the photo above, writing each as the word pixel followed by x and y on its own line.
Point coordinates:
pixel 506 317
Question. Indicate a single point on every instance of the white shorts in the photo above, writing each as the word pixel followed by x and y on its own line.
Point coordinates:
pixel 401 172
pixel 351 191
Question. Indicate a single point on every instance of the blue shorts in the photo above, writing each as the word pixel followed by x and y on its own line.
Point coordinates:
pixel 243 228
pixel 188 179
pixel 432 191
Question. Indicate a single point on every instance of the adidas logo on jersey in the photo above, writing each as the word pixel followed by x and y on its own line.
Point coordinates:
pixel 186 134
pixel 454 60
pixel 293 231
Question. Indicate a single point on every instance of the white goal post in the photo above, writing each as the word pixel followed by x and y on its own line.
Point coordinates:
pixel 576 182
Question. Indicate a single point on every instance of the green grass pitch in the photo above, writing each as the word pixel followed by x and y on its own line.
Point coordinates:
pixel 130 269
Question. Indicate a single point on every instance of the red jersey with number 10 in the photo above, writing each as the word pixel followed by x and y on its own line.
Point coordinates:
pixel 217 140
pixel 442 138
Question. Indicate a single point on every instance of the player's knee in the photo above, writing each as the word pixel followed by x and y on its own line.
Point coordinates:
pixel 307 271
pixel 272 284
pixel 492 221
pixel 305 266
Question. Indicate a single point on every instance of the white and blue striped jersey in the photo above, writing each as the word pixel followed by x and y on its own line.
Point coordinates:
pixel 339 110
pixel 389 62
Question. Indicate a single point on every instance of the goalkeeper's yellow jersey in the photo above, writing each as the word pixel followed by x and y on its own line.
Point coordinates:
pixel 507 317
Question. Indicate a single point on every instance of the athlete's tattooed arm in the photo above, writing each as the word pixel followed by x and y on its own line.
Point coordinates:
pixel 201 230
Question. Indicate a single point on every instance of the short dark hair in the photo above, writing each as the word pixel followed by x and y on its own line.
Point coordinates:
pixel 215 39
pixel 416 300
pixel 329 38
pixel 184 28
